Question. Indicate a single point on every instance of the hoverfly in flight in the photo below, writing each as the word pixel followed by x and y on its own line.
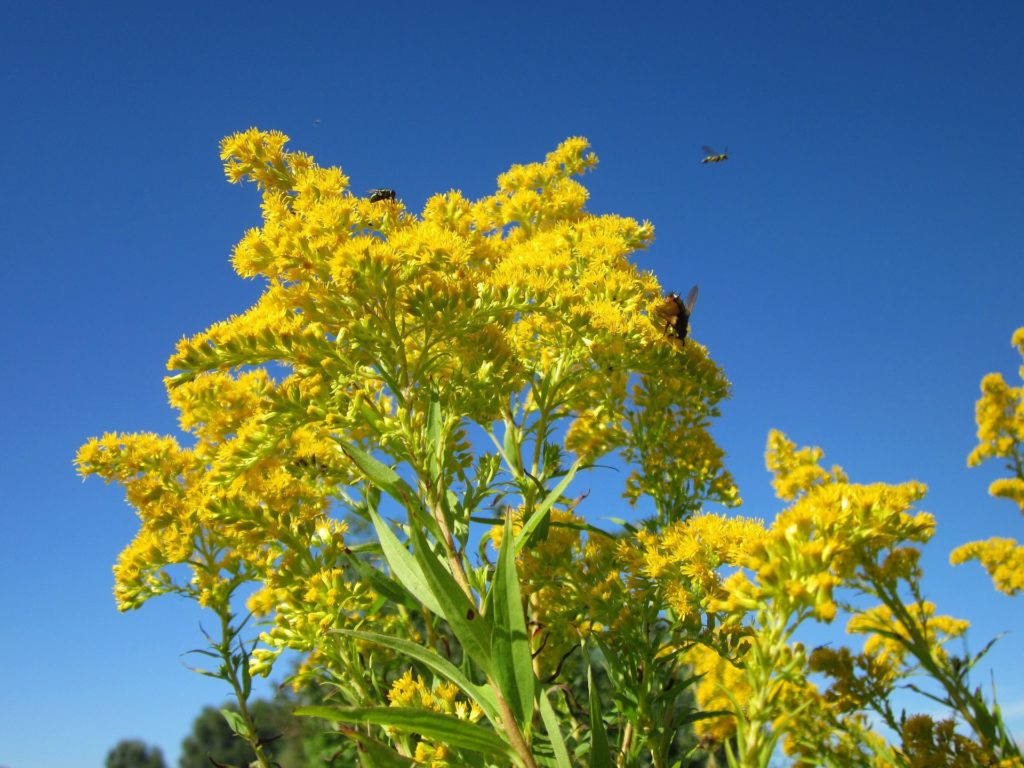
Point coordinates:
pixel 676 312
pixel 711 156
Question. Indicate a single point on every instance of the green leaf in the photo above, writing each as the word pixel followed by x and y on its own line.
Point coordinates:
pixel 449 730
pixel 600 754
pixel 510 447
pixel 403 565
pixel 547 714
pixel 434 449
pixel 537 524
pixel 244 668
pixel 236 723
pixel 381 583
pixel 373 754
pixel 382 476
pixel 482 695
pixel 470 627
pixel 510 645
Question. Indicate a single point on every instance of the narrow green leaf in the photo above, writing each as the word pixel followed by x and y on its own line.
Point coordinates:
pixel 450 730
pixel 203 651
pixel 382 476
pixel 373 754
pixel 453 500
pixel 244 668
pixel 381 583
pixel 482 695
pixel 206 672
pixel 510 646
pixel 541 513
pixel 403 565
pixel 434 437
pixel 600 754
pixel 547 714
pixel 510 448
pixel 236 723
pixel 472 629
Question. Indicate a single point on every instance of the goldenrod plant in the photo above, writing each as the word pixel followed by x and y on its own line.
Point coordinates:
pixel 448 380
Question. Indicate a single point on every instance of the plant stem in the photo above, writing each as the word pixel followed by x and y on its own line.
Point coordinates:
pixel 224 649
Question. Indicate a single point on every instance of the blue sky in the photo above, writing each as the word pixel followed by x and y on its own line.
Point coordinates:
pixel 860 255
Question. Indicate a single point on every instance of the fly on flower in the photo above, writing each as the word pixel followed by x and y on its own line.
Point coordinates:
pixel 676 312
pixel 711 156
pixel 377 195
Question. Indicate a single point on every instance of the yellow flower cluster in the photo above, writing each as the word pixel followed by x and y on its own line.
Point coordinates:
pixel 1000 417
pixel 827 538
pixel 796 471
pixel 720 679
pixel 834 535
pixel 678 464
pixel 1002 558
pixel 927 742
pixel 264 519
pixel 411 692
pixel 880 625
pixel 687 559
pixel 519 290
pixel 160 483
pixel 819 730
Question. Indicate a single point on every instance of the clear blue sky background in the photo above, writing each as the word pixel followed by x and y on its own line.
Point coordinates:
pixel 860 255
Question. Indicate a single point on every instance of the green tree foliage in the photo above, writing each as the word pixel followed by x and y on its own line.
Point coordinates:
pixel 132 753
pixel 289 741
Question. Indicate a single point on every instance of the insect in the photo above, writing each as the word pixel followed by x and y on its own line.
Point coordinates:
pixel 677 312
pixel 711 156
pixel 377 195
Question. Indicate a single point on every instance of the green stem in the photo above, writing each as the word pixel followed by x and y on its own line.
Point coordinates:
pixel 241 696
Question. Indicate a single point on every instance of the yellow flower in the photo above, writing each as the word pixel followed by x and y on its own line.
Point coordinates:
pixel 1002 558
pixel 687 559
pixel 796 471
pixel 1000 418
pixel 879 624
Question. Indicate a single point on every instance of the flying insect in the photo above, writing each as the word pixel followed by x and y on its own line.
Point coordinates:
pixel 676 313
pixel 711 156
pixel 377 195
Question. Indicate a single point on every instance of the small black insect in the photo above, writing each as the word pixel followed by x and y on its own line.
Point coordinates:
pixel 377 195
pixel 676 312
